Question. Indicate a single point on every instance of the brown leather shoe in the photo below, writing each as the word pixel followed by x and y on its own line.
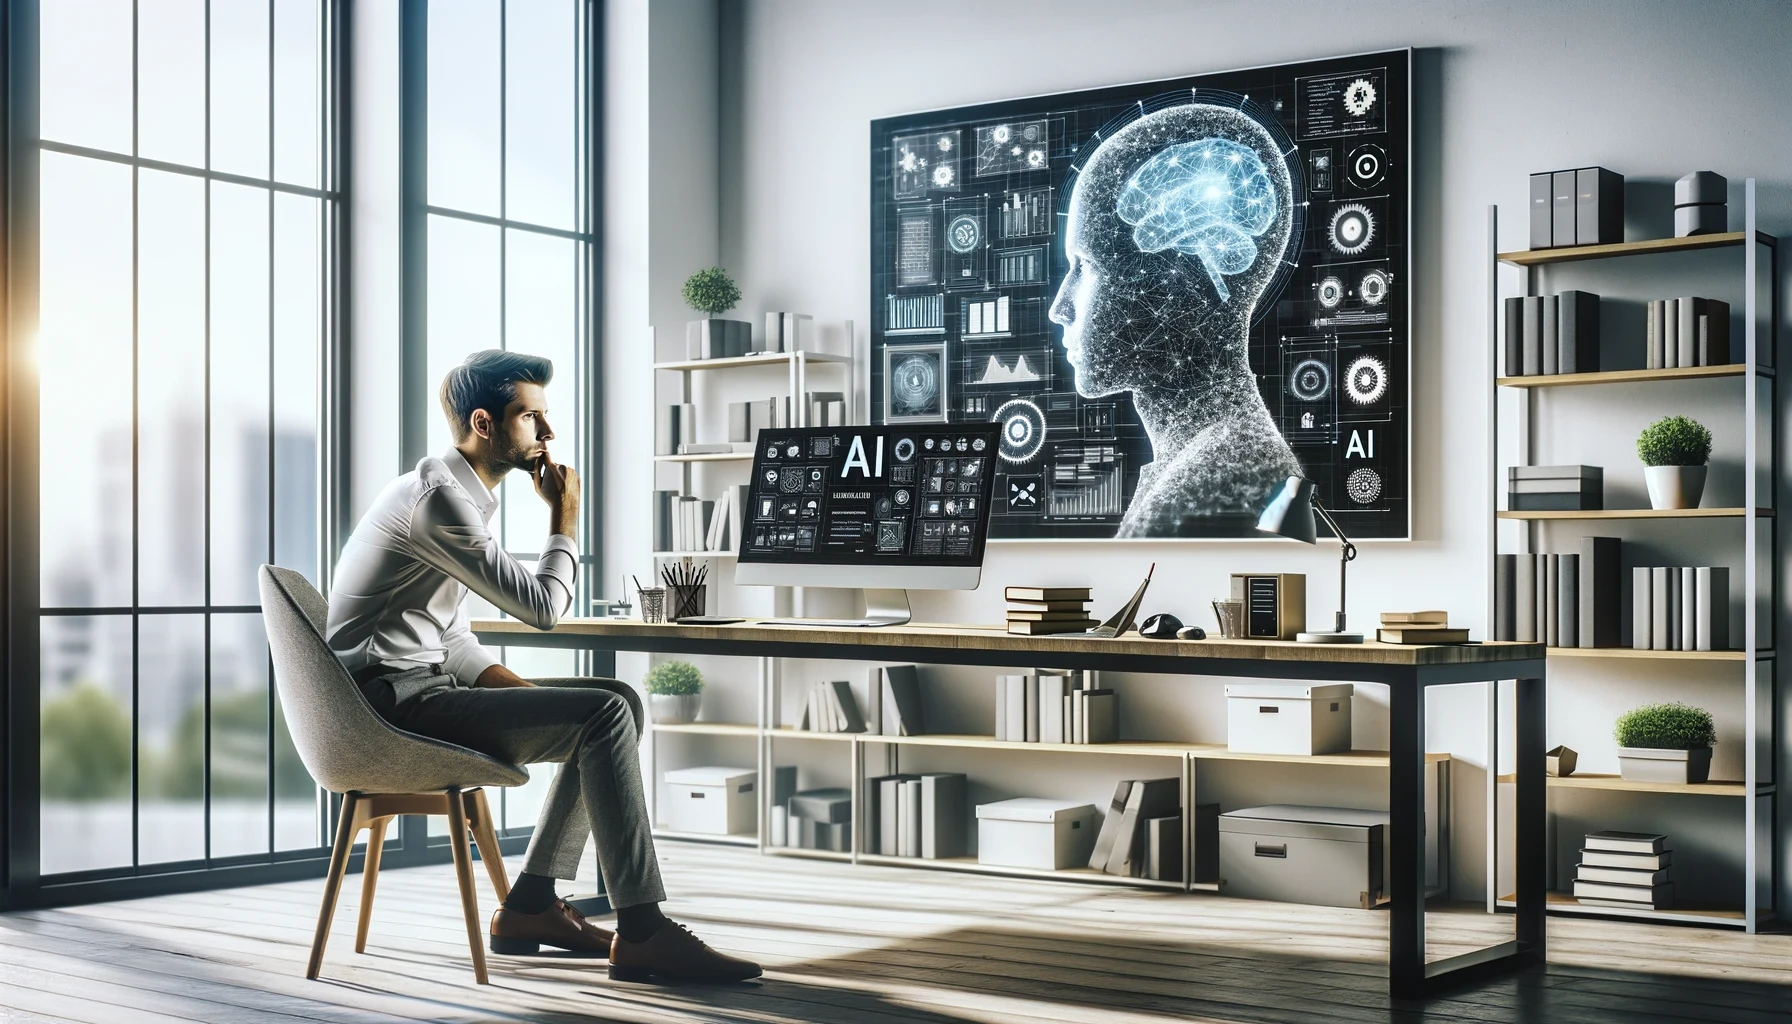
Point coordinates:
pixel 673 954
pixel 560 925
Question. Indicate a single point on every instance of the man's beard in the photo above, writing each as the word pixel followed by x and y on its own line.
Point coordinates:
pixel 514 456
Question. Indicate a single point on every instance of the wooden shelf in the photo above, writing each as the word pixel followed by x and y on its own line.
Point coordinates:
pixel 1616 784
pixel 1557 380
pixel 709 728
pixel 743 839
pixel 1631 652
pixel 1204 751
pixel 1562 903
pixel 1576 253
pixel 1353 759
pixel 971 865
pixel 695 554
pixel 707 457
pixel 764 359
pixel 1641 513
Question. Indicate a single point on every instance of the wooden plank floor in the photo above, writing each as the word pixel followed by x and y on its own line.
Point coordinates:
pixel 859 944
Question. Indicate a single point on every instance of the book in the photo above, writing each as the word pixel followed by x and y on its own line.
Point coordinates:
pixel 885 813
pixel 1015 709
pixel 1626 842
pixel 1100 716
pixel 1659 596
pixel 1562 206
pixel 900 714
pixel 1552 613
pixel 1551 335
pixel 1688 309
pixel 1514 336
pixel 1642 615
pixel 1048 606
pixel 1505 574
pixel 1110 826
pixel 1542 606
pixel 1670 334
pixel 1542 211
pixel 943 815
pixel 1579 332
pixel 847 707
pixel 1420 635
pixel 1568 608
pixel 1711 585
pixel 1657 896
pixel 1080 615
pixel 1163 848
pixel 1426 618
pixel 1598 592
pixel 1054 626
pixel 1714 333
pixel 832 805
pixel 1030 694
pixel 1052 691
pixel 908 818
pixel 1619 876
pixel 1616 904
pixel 1524 592
pixel 1632 861
pixel 1533 334
pixel 1148 798
pixel 1653 328
pixel 1047 594
pixel 1688 631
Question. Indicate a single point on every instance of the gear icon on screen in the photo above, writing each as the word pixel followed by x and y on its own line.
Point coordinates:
pixel 1374 287
pixel 1363 485
pixel 1311 381
pixel 1330 292
pixel 942 176
pixel 1359 97
pixel 1367 380
pixel 1352 229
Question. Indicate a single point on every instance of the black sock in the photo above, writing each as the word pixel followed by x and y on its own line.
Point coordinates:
pixel 639 922
pixel 531 894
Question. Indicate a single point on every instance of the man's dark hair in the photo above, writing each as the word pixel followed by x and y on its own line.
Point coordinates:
pixel 488 380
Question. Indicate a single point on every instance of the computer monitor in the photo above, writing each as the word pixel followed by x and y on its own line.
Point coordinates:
pixel 885 509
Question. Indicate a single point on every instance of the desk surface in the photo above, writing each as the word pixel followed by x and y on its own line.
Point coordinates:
pixel 632 634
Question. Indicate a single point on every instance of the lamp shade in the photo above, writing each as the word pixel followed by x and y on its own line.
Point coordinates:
pixel 1290 513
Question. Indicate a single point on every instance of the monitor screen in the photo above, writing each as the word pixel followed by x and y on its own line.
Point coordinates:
pixel 912 495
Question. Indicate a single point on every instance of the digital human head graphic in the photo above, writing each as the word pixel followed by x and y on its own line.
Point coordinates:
pixel 1178 223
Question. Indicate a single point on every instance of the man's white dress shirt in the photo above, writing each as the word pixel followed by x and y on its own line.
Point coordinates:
pixel 423 544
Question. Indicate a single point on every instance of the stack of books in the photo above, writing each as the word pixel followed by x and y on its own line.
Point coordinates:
pixel 820 819
pixel 1141 836
pixel 1624 869
pixel 923 815
pixel 1552 334
pixel 1056 707
pixel 1680 608
pixel 831 707
pixel 1689 331
pixel 1427 627
pixel 1555 488
pixel 1572 600
pixel 1036 611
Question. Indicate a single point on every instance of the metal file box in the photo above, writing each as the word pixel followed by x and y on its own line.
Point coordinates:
pixel 1288 718
pixel 1328 856
pixel 714 800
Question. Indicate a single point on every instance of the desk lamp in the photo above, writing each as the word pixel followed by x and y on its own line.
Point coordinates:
pixel 1290 514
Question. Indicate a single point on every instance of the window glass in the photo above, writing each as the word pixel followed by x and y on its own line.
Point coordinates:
pixel 540 117
pixel 171 81
pixel 464 104
pixel 171 738
pixel 84 64
pixel 84 737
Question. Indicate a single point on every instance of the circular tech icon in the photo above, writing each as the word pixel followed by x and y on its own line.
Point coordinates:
pixel 964 233
pixel 1367 380
pixel 929 444
pixel 903 498
pixel 1352 229
pixel 1023 430
pixel 1359 97
pixel 771 477
pixel 1311 381
pixel 1001 133
pixel 1367 165
pixel 963 443
pixel 884 506
pixel 1329 292
pixel 794 451
pixel 942 176
pixel 1373 288
pixel 1035 158
pixel 1363 485
pixel 978 444
pixel 905 449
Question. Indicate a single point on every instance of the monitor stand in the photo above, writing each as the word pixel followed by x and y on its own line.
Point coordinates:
pixel 882 608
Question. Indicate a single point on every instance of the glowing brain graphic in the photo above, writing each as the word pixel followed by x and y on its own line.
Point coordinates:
pixel 1207 199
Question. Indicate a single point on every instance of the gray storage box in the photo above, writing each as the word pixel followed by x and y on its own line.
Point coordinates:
pixel 1329 856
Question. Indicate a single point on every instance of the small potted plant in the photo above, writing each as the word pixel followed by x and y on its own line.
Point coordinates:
pixel 674 692
pixel 1674 451
pixel 712 292
pixel 1665 743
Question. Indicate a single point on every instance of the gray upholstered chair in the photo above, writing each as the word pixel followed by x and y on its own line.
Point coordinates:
pixel 381 771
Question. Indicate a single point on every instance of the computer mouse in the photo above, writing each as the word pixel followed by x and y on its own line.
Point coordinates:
pixel 1191 633
pixel 1162 626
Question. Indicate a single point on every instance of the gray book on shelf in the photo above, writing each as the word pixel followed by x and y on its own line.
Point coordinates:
pixel 1670 334
pixel 1653 328
pixel 1579 332
pixel 1101 719
pixel 1149 798
pixel 1533 334
pixel 1542 211
pixel 1163 848
pixel 1030 687
pixel 1514 335
pixel 1714 334
pixel 1676 639
pixel 1661 636
pixel 1001 726
pixel 884 794
pixel 1544 606
pixel 832 805
pixel 1688 632
pixel 908 818
pixel 1642 608
pixel 1552 335
pixel 1016 709
pixel 901 708
pixel 1110 825
pixel 1599 592
pixel 847 705
pixel 1568 607
pixel 1505 573
pixel 1524 592
pixel 1688 310
pixel 1712 583
pixel 944 816
pixel 1552 595
pixel 1052 690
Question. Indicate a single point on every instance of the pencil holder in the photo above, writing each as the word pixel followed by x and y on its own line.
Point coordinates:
pixel 689 600
pixel 653 605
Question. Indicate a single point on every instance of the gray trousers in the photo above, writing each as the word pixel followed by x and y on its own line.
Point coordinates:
pixel 586 727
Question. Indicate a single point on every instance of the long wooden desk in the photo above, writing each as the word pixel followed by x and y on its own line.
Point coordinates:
pixel 1407 671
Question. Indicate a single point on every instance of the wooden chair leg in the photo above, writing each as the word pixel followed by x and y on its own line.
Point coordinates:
pixel 370 877
pixel 486 838
pixel 346 829
pixel 463 873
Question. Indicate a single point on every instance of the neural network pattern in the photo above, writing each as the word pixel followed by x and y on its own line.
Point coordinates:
pixel 1208 199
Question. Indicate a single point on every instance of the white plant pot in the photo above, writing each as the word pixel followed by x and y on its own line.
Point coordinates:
pixel 1653 764
pixel 1675 486
pixel 674 708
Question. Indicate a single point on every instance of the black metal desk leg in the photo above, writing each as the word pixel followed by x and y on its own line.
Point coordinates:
pixel 1406 839
pixel 1529 836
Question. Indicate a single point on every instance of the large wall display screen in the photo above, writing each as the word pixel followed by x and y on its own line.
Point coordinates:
pixel 1169 296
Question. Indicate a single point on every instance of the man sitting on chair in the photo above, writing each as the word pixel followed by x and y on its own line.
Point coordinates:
pixel 397 623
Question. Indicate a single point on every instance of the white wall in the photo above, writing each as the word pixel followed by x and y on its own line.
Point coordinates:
pixel 1652 90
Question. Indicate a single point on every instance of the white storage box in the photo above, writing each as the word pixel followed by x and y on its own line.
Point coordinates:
pixel 1288 718
pixel 717 801
pixel 1030 832
pixel 1329 856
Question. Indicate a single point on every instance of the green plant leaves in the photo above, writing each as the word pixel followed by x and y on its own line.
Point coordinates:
pixel 1674 441
pixel 673 678
pixel 1676 726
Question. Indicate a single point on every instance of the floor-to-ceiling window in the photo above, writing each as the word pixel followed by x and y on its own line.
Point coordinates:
pixel 508 251
pixel 185 240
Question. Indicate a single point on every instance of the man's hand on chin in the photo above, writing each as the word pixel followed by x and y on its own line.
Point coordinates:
pixel 498 676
